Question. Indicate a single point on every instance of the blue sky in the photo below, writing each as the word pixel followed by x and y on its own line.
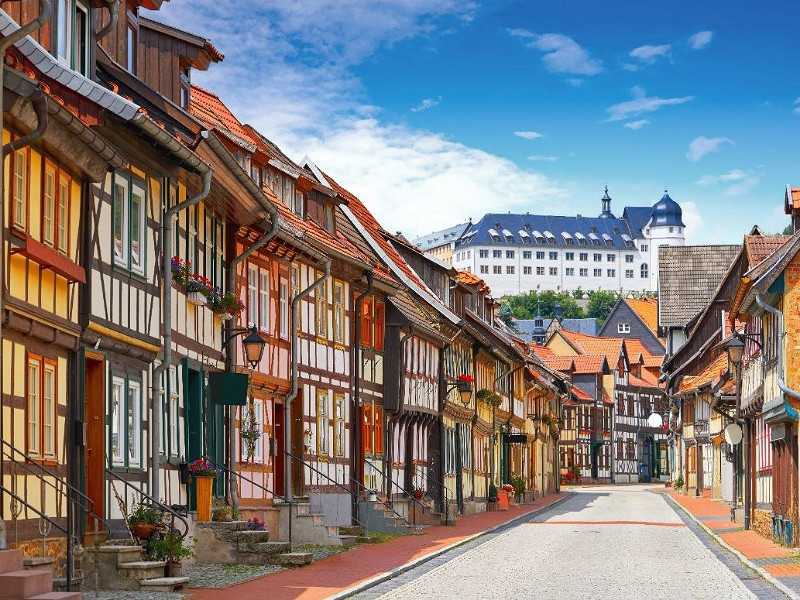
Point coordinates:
pixel 433 111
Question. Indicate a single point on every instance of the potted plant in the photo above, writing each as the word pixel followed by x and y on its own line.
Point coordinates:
pixel 419 493
pixel 464 383
pixel 143 520
pixel 181 270
pixel 198 289
pixel 491 398
pixel 203 473
pixel 256 524
pixel 519 485
pixel 372 494
pixel 171 548
pixel 225 306
pixel 221 512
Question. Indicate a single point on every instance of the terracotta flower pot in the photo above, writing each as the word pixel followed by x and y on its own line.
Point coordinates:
pixel 143 530
pixel 203 487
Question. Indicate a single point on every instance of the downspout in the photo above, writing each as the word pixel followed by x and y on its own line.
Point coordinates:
pixel 229 356
pixel 39 102
pixel 395 419
pixel 287 404
pixel 45 9
pixel 113 12
pixel 779 315
pixel 355 444
pixel 166 324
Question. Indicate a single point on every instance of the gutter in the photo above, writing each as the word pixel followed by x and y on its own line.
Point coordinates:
pixel 39 101
pixel 45 10
pixel 166 323
pixel 287 413
pixel 113 10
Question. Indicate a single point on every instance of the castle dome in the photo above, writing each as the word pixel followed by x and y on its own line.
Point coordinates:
pixel 667 212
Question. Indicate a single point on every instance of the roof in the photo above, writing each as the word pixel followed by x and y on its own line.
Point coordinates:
pixel 595 363
pixel 667 212
pixel 547 231
pixel 559 363
pixel 185 36
pixel 709 375
pixel 579 394
pixel 587 326
pixel 208 108
pixel 759 247
pixel 647 310
pixel 610 348
pixel 688 276
pixel 638 217
pixel 791 199
pixel 439 238
pixel 468 278
pixel 636 349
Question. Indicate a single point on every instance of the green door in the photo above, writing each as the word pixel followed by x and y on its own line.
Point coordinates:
pixel 205 433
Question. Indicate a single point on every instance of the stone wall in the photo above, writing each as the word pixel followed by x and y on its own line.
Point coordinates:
pixel 53 547
pixel 762 522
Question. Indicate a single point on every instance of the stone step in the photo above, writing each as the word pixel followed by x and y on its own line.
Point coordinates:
pixel 352 530
pixel 270 547
pixel 41 563
pixel 363 539
pixel 125 554
pixel 10 560
pixel 164 584
pixel 292 559
pixel 247 539
pixel 141 570
pixel 24 584
pixel 262 553
pixel 348 541
pixel 58 596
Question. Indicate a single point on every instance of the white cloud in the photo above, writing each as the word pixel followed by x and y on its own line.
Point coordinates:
pixel 630 67
pixel 738 182
pixel 426 104
pixel 542 158
pixel 562 54
pixel 692 219
pixel 649 54
pixel 575 81
pixel 528 135
pixel 700 40
pixel 700 146
pixel 637 124
pixel 397 172
pixel 641 104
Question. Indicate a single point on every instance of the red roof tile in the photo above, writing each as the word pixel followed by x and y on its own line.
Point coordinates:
pixel 709 375
pixel 759 247
pixel 208 108
pixel 647 309
pixel 589 364
pixel 590 344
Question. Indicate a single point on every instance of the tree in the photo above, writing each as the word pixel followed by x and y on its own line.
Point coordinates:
pixel 506 316
pixel 525 306
pixel 788 230
pixel 600 305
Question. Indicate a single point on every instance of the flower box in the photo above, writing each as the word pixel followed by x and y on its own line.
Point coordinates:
pixel 226 316
pixel 196 298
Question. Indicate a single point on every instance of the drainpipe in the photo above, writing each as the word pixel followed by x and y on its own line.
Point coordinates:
pixel 113 11
pixel 166 322
pixel 355 444
pixel 287 404
pixel 229 356
pixel 396 418
pixel 779 315
pixel 45 9
pixel 39 101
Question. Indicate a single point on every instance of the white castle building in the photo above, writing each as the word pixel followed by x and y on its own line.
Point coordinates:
pixel 517 253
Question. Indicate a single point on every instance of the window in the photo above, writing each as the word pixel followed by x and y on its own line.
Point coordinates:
pixel 338 312
pixel 129 222
pixel 611 272
pixel 321 296
pixel 130 51
pixel 645 273
pixel 126 422
pixel 598 272
pixel 623 327
pixel 338 425
pixel 570 272
pixel 583 256
pixel 584 272
pixel 628 273
pixel 372 324
pixel 298 203
pixel 539 255
pixel 527 270
pixel 497 269
pixel 569 256
pixel 171 440
pixel 497 253
pixel 71 33
pixel 553 270
pixel 643 247
pixel 553 255
pixel 295 275
pixel 629 258
pixel 484 269
pixel 19 188
pixel 540 270
pixel 252 294
pixel 483 253
pixel 611 257
pixel 284 308
pixel 323 422
pixel 263 296
pixel 672 230
pixel 597 257
pixel 509 270
pixel 509 254
pixel 41 407
pixel 526 254
pixel 372 429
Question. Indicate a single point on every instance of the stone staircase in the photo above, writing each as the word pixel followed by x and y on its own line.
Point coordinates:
pixel 121 567
pixel 377 518
pixel 309 527
pixel 232 543
pixel 31 584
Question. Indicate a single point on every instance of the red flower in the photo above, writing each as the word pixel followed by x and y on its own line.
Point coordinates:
pixel 467 378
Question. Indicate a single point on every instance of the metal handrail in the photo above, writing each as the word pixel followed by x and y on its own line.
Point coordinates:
pixel 336 483
pixel 258 485
pixel 402 489
pixel 444 488
pixel 174 513
pixel 72 495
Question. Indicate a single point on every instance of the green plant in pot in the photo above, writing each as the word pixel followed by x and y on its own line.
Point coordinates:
pixel 519 484
pixel 492 492
pixel 143 519
pixel 172 548
pixel 221 512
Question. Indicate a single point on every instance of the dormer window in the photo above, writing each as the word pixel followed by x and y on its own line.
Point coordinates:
pixel 551 239
pixel 494 235
pixel 607 239
pixel 185 87
pixel 508 235
pixel 130 47
pixel 298 203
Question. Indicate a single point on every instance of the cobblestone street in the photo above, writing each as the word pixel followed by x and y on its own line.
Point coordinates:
pixel 602 542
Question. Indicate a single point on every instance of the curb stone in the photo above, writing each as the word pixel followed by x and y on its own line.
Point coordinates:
pixel 378 579
pixel 746 561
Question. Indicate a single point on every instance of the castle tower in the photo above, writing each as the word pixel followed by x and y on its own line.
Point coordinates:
pixel 666 228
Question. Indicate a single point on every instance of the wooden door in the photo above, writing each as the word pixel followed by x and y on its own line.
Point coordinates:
pixel 298 468
pixel 278 459
pixel 94 392
pixel 784 491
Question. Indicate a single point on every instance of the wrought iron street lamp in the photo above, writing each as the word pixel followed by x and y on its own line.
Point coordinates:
pixel 464 387
pixel 253 344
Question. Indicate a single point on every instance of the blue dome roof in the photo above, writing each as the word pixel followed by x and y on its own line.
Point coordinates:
pixel 667 212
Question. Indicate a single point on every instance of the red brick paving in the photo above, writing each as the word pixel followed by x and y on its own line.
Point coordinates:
pixel 753 545
pixel 718 524
pixel 784 570
pixel 342 571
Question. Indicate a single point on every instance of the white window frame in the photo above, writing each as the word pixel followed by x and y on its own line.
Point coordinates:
pixel 338 312
pixel 263 300
pixel 323 423
pixel 252 294
pixel 284 307
pixel 623 327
